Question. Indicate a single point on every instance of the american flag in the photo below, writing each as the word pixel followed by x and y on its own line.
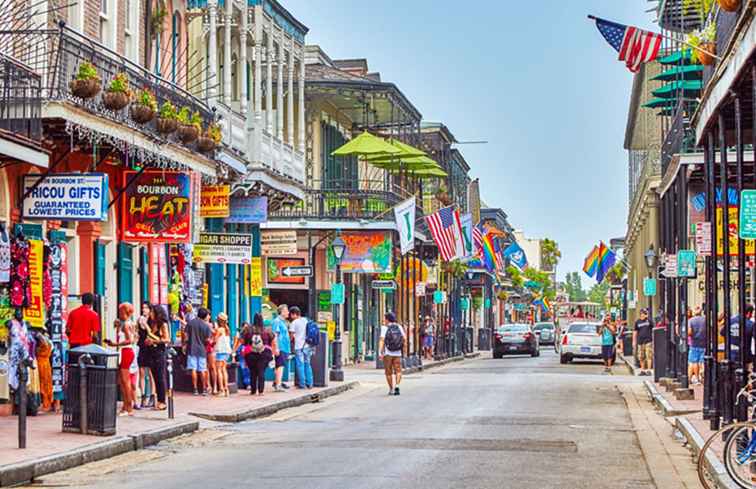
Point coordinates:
pixel 446 230
pixel 635 46
pixel 478 232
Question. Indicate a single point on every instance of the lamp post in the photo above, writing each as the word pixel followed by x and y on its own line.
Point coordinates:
pixel 650 257
pixel 338 247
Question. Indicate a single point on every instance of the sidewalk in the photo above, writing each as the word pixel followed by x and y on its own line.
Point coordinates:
pixel 50 450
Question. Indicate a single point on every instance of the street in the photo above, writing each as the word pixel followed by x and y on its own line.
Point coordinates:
pixel 483 423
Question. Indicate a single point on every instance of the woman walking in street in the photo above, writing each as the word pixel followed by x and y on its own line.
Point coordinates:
pixel 260 347
pixel 124 342
pixel 143 328
pixel 222 356
pixel 607 331
pixel 157 337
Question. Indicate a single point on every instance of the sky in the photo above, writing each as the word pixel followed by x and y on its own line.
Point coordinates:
pixel 533 78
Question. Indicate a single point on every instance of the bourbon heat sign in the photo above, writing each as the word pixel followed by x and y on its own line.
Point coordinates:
pixel 157 207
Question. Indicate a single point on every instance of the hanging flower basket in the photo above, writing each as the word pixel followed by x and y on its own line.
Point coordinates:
pixel 729 5
pixel 142 114
pixel 87 88
pixel 704 58
pixel 166 126
pixel 188 133
pixel 115 100
pixel 205 144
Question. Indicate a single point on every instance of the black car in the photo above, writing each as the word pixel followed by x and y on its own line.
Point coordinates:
pixel 515 339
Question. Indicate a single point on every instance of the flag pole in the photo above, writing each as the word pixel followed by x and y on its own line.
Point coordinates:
pixel 591 17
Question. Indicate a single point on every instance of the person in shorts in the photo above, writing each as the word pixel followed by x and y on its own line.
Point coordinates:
pixel 643 342
pixel 281 329
pixel 196 335
pixel 390 348
pixel 608 332
pixel 697 344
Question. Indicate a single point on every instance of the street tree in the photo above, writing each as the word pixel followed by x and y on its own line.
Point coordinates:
pixel 574 287
pixel 550 254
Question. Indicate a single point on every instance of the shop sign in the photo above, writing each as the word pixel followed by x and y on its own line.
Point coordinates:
pixel 248 210
pixel 383 284
pixel 214 201
pixel 158 275
pixel 420 289
pixel 34 313
pixel 366 252
pixel 255 277
pixel 331 330
pixel 439 297
pixel 278 243
pixel 57 311
pixel 748 214
pixel 157 208
pixel 464 303
pixel 703 238
pixel 325 316
pixel 324 301
pixel 670 266
pixel 649 287
pixel 223 248
pixel 732 224
pixel 66 197
pixel 686 264
pixel 276 267
pixel 337 293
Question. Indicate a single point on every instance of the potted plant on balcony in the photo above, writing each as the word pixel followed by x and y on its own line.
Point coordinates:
pixel 166 121
pixel 442 194
pixel 703 44
pixel 143 107
pixel 729 5
pixel 189 125
pixel 86 83
pixel 117 95
pixel 212 137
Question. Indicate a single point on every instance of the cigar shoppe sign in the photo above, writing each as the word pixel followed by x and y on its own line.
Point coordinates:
pixel 157 207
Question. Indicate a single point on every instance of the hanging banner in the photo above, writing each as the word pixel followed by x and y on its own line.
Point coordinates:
pixel 5 255
pixel 276 271
pixel 703 238
pixel 34 313
pixel 223 248
pixel 255 277
pixel 366 252
pixel 278 243
pixel 197 222
pixel 404 213
pixel 467 233
pixel 732 216
pixel 66 197
pixel 57 312
pixel 158 275
pixel 214 201
pixel 157 208
pixel 248 210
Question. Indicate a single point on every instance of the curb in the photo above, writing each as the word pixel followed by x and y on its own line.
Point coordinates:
pixel 696 442
pixel 21 472
pixel 629 364
pixel 663 404
pixel 277 406
pixel 440 363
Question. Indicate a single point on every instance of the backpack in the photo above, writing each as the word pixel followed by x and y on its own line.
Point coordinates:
pixel 394 340
pixel 312 333
pixel 257 343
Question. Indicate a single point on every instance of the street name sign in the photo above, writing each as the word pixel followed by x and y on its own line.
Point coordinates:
pixel 383 284
pixel 337 293
pixel 303 271
pixel 649 287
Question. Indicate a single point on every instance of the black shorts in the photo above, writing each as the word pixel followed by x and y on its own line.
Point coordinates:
pixel 607 352
pixel 281 359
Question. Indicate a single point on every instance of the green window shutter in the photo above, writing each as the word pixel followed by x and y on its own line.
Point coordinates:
pixel 99 266
pixel 232 289
pixel 125 273
pixel 144 278
pixel 215 272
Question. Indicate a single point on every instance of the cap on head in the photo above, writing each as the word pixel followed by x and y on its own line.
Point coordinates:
pixel 390 317
pixel 295 310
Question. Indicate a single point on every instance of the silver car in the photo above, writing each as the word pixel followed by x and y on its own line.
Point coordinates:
pixel 545 333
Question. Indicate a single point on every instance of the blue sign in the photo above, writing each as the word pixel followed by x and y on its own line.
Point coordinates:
pixel 248 210
pixel 464 303
pixel 747 219
pixel 649 287
pixel 66 197
pixel 438 297
pixel 686 264
pixel 337 293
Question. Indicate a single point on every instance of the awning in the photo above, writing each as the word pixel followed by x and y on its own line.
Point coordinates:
pixel 685 72
pixel 233 161
pixel 23 152
pixel 688 87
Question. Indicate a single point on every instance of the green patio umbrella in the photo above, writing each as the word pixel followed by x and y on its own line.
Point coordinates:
pixel 435 172
pixel 364 145
pixel 687 72
pixel 660 102
pixel 687 87
pixel 676 57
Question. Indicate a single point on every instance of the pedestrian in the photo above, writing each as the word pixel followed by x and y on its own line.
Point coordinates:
pixel 212 368
pixel 124 342
pixel 390 348
pixel 83 325
pixel 238 349
pixel 259 349
pixel 145 374
pixel 222 357
pixel 735 337
pixel 158 336
pixel 302 350
pixel 281 329
pixel 195 337
pixel 643 342
pixel 608 332
pixel 697 345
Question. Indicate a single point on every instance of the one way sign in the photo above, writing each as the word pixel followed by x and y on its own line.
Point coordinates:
pixel 304 271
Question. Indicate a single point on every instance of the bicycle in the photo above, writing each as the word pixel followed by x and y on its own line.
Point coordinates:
pixel 739 453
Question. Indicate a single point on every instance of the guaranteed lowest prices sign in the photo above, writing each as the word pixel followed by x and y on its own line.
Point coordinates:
pixel 66 197
pixel 157 207
pixel 223 248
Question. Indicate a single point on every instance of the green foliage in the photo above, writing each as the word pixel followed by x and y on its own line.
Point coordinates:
pixel 145 97
pixel 518 281
pixel 87 71
pixel 550 253
pixel 456 268
pixel 196 120
pixel 158 18
pixel 700 37
pixel 183 116
pixel 574 287
pixel 615 274
pixel 168 111
pixel 120 84
pixel 214 133
pixel 598 292
pixel 702 7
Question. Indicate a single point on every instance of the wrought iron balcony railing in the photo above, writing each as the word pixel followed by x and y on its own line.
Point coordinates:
pixel 20 100
pixel 57 54
pixel 726 22
pixel 680 136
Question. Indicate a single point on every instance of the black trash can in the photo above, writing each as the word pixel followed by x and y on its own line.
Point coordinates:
pixel 484 339
pixel 102 391
pixel 627 344
pixel 320 361
pixel 660 353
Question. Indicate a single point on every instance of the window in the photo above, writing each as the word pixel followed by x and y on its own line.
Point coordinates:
pixel 107 21
pixel 131 30
pixel 175 51
pixel 75 16
pixel 582 328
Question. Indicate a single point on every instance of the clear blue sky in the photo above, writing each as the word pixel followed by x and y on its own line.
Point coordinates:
pixel 534 78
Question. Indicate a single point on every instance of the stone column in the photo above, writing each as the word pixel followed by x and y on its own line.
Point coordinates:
pixel 212 57
pixel 243 59
pixel 227 52
pixel 302 101
pixel 279 89
pixel 269 81
pixel 290 98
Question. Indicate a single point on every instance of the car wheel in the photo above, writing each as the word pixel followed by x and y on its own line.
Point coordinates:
pixel 563 359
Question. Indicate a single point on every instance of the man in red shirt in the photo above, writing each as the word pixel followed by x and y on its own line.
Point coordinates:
pixel 83 324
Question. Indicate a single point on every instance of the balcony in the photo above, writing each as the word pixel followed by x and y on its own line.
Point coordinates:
pixel 20 100
pixel 680 137
pixel 726 23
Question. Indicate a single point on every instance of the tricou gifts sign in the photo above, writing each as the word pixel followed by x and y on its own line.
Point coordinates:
pixel 157 208
pixel 66 197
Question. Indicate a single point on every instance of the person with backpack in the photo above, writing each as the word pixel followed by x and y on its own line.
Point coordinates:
pixel 306 337
pixel 259 349
pixel 390 348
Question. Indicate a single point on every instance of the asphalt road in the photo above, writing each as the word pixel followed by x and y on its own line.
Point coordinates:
pixel 518 422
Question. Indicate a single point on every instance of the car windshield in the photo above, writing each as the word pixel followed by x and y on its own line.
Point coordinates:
pixel 582 328
pixel 542 326
pixel 513 328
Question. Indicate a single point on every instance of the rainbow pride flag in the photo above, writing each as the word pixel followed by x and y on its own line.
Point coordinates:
pixel 489 253
pixel 590 265
pixel 606 261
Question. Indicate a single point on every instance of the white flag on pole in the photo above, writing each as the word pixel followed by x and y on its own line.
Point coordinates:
pixel 404 213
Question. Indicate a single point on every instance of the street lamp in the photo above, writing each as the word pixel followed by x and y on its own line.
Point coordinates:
pixel 650 257
pixel 338 248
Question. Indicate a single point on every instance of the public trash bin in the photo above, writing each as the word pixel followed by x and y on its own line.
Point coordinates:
pixel 627 344
pixel 660 353
pixel 319 362
pixel 100 366
pixel 484 339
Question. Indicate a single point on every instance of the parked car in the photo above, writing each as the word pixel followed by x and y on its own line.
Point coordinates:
pixel 545 333
pixel 513 339
pixel 580 340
